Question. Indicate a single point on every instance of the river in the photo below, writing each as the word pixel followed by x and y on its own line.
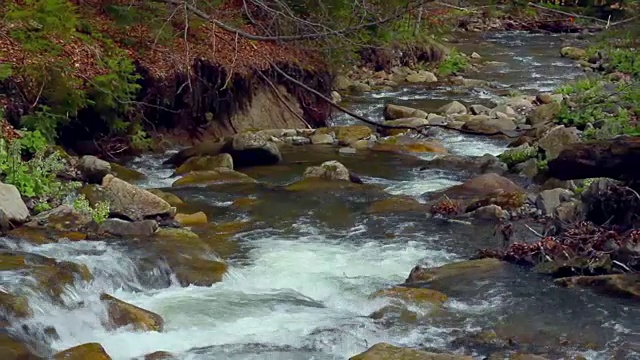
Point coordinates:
pixel 301 276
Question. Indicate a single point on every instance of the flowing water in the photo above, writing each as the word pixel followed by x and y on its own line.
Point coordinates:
pixel 300 279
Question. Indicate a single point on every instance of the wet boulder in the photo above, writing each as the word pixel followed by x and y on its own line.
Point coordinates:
pixel 621 285
pixel 160 355
pixel 477 164
pixel 129 201
pixel 123 228
pixel 124 314
pixel 89 351
pixel 217 176
pixel 452 108
pixel 93 170
pixel 394 112
pixel 489 212
pixel 322 139
pixel 126 174
pixel 346 135
pixel 329 170
pixel 484 124
pixel 455 272
pixel 483 190
pixel 205 163
pixel 383 351
pixel 413 295
pixel 13 211
pixel 206 148
pixel 573 53
pixel 172 199
pixel 479 110
pixel 13 307
pixel 404 122
pixel 13 349
pixel 62 218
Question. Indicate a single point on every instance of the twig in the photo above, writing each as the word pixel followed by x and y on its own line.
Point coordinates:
pixel 533 231
pixel 622 265
pixel 286 104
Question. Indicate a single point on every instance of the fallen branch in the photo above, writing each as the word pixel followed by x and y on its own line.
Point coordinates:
pixel 608 23
pixel 282 100
pixel 317 35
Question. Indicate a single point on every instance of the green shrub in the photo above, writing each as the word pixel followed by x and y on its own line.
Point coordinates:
pixel 454 63
pixel 99 213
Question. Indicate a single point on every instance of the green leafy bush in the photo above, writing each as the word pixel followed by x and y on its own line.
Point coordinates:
pixel 454 63
pixel 99 213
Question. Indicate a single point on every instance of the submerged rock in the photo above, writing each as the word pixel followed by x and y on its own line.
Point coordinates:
pixel 172 199
pixel 383 351
pixel 160 355
pixel 124 314
pixel 217 176
pixel 479 164
pixel 394 112
pixel 205 163
pixel 131 201
pixel 12 209
pixel 622 285
pixel 14 349
pixel 413 295
pixel 13 307
pixel 404 143
pixel 89 351
pixel 198 218
pixel 396 204
pixel 206 148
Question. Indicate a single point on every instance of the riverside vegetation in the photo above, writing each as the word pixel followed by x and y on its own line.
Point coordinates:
pixel 79 92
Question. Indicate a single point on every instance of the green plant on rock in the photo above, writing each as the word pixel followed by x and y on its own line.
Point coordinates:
pixel 518 155
pixel 454 63
pixel 35 178
pixel 543 165
pixel 99 213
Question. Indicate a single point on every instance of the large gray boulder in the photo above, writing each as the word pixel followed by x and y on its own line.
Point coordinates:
pixel 253 150
pixel 122 228
pixel 549 200
pixel 557 139
pixel 13 210
pixel 132 202
pixel 93 170
pixel 328 170
pixel 483 124
pixel 392 112
pixel 452 108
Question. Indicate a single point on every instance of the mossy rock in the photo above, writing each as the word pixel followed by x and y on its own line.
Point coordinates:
pixel 413 295
pixel 198 271
pixel 172 199
pixel 127 174
pixel 622 285
pixel 52 275
pixel 205 163
pixel 13 349
pixel 198 218
pixel 408 144
pixel 455 272
pixel 13 306
pixel 318 184
pixel 124 314
pixel 183 251
pixel 31 235
pixel 89 351
pixel 402 314
pixel 218 176
pixel 396 204
pixel 348 134
pixel 245 203
pixel 160 355
pixel 383 351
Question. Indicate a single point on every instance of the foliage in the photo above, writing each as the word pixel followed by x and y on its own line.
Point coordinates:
pixel 37 177
pixel 5 72
pixel 517 155
pixel 44 122
pixel 99 213
pixel 454 63
pixel 32 142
